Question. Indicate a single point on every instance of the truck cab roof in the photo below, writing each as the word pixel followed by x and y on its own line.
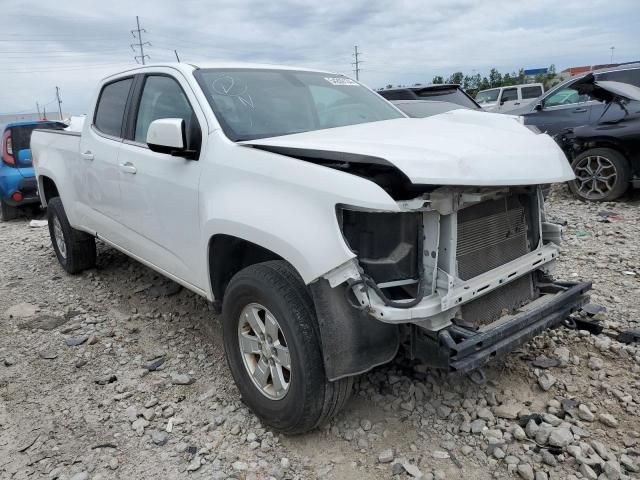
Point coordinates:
pixel 187 68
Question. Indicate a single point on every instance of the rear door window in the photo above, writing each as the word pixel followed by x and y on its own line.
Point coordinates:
pixel 531 92
pixel 109 115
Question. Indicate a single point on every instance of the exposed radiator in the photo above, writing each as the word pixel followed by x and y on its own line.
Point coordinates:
pixel 491 234
pixel 499 302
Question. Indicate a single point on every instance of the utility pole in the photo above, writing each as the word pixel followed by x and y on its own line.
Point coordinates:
pixel 59 102
pixel 177 57
pixel 357 63
pixel 38 108
pixel 612 49
pixel 137 34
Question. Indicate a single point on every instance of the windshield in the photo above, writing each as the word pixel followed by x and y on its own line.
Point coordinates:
pixel 420 109
pixel 261 103
pixel 487 96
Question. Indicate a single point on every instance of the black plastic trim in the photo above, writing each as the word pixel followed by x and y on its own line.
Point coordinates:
pixel 461 350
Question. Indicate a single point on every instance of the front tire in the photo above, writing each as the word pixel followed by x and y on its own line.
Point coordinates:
pixel 7 212
pixel 274 352
pixel 76 250
pixel 602 175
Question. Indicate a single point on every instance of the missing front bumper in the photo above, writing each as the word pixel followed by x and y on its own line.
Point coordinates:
pixel 458 349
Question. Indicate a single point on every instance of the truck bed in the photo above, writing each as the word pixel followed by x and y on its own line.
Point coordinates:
pixel 53 152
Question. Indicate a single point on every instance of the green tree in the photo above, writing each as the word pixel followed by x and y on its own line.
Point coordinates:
pixel 456 78
pixel 437 79
pixel 495 78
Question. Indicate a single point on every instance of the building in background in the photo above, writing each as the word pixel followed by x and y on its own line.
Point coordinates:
pixel 571 71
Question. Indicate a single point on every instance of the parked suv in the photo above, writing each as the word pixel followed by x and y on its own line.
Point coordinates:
pixel 566 105
pixel 331 228
pixel 18 186
pixel 504 99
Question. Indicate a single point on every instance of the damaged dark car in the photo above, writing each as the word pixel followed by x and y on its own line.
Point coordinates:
pixel 605 154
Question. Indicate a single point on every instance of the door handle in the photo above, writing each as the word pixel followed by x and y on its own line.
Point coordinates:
pixel 128 167
pixel 580 110
pixel 87 155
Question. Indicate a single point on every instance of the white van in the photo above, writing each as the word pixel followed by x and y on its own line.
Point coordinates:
pixel 503 99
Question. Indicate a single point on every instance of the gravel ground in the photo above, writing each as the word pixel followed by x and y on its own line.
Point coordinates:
pixel 118 373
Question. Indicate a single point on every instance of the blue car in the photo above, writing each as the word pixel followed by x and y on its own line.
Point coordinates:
pixel 18 185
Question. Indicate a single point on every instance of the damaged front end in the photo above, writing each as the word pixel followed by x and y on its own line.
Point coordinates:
pixel 459 274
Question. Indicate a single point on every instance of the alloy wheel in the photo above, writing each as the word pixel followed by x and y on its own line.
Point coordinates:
pixel 59 237
pixel 264 351
pixel 596 176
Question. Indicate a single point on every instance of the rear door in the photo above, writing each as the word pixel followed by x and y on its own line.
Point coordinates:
pixel 97 176
pixel 160 191
pixel 529 94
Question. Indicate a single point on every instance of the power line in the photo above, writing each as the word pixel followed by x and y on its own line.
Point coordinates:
pixel 357 63
pixel 140 43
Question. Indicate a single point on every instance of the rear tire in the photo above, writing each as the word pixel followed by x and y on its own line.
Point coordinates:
pixel 274 294
pixel 7 212
pixel 76 250
pixel 602 175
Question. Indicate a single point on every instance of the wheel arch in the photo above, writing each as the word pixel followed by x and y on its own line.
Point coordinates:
pixel 603 142
pixel 227 255
pixel 352 342
pixel 47 188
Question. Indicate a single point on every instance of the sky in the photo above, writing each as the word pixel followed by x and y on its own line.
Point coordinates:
pixel 73 44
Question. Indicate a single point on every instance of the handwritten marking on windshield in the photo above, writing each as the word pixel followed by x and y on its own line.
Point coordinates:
pixel 228 86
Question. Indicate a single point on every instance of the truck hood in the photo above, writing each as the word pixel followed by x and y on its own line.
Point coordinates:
pixel 460 147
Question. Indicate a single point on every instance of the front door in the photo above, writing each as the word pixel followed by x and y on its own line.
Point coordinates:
pixel 159 191
pixel 508 100
pixel 563 109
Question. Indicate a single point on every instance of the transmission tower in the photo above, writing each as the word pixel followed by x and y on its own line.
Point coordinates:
pixel 137 34
pixel 357 62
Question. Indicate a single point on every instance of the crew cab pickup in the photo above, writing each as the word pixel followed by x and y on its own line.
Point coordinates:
pixel 328 226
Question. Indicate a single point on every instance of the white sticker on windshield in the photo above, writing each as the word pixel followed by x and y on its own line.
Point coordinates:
pixel 340 81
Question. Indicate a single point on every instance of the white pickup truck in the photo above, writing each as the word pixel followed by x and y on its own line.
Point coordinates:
pixel 328 226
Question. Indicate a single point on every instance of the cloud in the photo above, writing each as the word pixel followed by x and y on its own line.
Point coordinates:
pixel 73 44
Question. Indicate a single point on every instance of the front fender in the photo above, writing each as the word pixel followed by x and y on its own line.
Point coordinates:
pixel 285 205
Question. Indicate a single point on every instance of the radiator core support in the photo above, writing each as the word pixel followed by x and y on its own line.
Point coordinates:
pixel 480 247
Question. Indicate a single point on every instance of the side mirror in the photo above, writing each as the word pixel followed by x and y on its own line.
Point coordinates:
pixel 24 157
pixel 502 102
pixel 538 106
pixel 167 135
